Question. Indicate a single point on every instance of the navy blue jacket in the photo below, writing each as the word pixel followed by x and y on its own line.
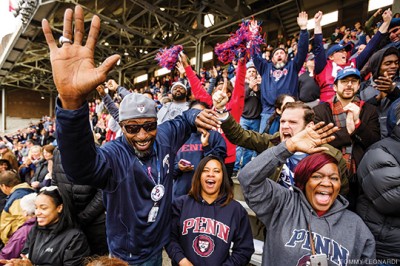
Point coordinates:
pixel 193 151
pixel 126 186
pixel 203 233
pixel 281 81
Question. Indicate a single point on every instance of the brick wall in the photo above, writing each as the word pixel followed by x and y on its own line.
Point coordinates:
pixel 26 104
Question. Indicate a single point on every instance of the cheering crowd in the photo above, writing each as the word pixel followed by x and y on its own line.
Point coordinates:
pixel 309 130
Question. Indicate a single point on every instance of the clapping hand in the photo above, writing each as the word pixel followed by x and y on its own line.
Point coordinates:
pixel 74 71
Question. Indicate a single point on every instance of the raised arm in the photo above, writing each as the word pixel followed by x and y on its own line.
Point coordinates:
pixel 302 52
pixel 319 51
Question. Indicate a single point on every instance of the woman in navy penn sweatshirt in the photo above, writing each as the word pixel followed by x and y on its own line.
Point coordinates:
pixel 207 221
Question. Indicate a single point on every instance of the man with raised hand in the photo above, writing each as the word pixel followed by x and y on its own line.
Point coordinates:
pixel 280 76
pixel 135 170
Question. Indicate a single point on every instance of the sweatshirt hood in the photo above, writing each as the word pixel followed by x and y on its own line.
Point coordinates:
pixel 377 58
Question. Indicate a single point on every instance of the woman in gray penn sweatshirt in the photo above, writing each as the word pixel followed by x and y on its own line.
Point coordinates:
pixel 314 206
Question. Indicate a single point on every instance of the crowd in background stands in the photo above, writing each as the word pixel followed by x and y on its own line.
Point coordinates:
pixel 32 152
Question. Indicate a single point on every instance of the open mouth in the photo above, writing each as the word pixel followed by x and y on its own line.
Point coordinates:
pixel 142 145
pixel 323 197
pixel 286 135
pixel 40 220
pixel 210 183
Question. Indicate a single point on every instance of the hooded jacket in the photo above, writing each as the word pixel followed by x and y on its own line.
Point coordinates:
pixel 124 179
pixel 368 92
pixel 203 233
pixel 287 215
pixel 379 177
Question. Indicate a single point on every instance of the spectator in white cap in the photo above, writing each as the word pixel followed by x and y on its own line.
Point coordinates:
pixel 135 171
pixel 178 105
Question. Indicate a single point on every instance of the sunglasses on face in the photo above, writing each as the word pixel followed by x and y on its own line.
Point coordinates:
pixel 134 129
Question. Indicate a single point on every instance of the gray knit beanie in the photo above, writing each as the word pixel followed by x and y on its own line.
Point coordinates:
pixel 137 105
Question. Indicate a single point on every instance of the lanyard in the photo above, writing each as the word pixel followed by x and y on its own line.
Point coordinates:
pixel 148 169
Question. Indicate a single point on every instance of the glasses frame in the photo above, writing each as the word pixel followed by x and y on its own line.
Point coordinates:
pixel 135 128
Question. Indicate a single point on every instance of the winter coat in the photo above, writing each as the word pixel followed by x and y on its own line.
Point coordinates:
pixel 235 104
pixel 379 177
pixel 45 248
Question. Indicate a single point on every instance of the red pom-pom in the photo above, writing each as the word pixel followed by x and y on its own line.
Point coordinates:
pixel 169 56
pixel 245 42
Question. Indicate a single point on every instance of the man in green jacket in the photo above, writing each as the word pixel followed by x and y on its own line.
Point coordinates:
pixel 296 116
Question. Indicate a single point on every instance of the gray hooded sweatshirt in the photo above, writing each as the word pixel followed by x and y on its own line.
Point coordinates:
pixel 339 233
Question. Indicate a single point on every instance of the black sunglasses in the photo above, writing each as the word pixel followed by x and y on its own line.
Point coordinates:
pixel 134 129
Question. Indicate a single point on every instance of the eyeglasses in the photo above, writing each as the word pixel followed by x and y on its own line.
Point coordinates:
pixel 134 129
pixel 347 81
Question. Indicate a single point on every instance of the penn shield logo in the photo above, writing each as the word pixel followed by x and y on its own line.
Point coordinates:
pixel 141 108
pixel 203 245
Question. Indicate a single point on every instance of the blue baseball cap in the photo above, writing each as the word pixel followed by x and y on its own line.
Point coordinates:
pixel 337 47
pixel 347 71
pixel 394 23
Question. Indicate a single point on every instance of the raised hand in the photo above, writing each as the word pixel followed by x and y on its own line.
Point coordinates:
pixel 112 85
pixel 207 120
pixel 302 20
pixel 311 138
pixel 179 66
pixel 220 99
pixel 317 19
pixel 254 27
pixel 214 72
pixel 101 90
pixel 74 72
pixel 387 17
pixel 184 59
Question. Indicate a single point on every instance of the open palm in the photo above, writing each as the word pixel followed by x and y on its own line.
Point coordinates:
pixel 74 71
